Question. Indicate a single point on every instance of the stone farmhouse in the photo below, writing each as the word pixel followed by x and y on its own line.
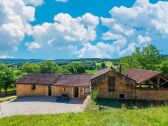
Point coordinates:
pixel 134 84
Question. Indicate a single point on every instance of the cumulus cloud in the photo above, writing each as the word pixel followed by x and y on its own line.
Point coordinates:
pixel 14 24
pixel 64 33
pixel 139 25
pixel 33 2
pixel 63 1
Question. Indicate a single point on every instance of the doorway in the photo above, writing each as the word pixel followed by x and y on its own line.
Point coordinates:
pixel 76 92
pixel 49 91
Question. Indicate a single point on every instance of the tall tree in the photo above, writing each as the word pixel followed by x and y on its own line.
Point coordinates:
pixel 148 58
pixel 75 68
pixel 49 67
pixel 164 67
pixel 30 68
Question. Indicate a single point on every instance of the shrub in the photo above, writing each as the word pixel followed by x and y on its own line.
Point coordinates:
pixel 94 95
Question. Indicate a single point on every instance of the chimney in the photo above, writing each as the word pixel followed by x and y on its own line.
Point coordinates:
pixel 120 68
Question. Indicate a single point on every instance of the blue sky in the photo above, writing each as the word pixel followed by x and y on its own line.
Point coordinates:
pixel 56 29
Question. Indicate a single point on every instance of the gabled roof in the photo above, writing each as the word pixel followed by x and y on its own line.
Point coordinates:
pixel 101 72
pixel 74 80
pixel 39 78
pixel 141 75
pixel 57 79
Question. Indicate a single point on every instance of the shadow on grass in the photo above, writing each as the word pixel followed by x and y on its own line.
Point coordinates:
pixel 130 103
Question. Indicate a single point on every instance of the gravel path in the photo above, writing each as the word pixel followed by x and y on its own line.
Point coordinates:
pixel 39 105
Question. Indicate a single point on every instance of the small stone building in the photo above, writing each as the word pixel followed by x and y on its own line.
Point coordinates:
pixel 54 85
pixel 133 84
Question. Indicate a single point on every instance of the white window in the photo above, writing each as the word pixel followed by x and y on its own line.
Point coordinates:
pixel 86 90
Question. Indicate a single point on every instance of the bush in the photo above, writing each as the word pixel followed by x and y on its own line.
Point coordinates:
pixel 94 95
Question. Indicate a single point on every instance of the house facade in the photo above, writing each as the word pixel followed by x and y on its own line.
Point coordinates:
pixel 133 84
pixel 53 85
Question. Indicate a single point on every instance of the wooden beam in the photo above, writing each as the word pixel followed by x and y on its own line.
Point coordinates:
pixel 158 81
pixel 164 78
pixel 162 83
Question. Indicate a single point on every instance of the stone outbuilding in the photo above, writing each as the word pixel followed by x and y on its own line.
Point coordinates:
pixel 134 84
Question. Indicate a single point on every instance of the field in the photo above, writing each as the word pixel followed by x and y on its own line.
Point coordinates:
pixel 96 116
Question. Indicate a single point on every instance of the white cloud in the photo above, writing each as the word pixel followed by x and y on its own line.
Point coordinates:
pixel 14 24
pixel 33 2
pixel 64 33
pixel 32 46
pixel 5 56
pixel 141 24
pixel 63 1
pixel 144 39
pixel 100 50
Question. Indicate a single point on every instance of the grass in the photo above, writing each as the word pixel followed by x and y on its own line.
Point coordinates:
pixel 96 115
pixel 91 71
pixel 7 98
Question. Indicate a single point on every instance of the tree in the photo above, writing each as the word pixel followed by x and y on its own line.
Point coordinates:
pixel 164 67
pixel 103 65
pixel 8 78
pixel 3 68
pixel 148 58
pixel 49 67
pixel 30 68
pixel 75 68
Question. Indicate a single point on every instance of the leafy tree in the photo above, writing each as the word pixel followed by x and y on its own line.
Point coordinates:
pixel 30 68
pixel 146 58
pixel 49 67
pixel 8 78
pixel 103 65
pixel 164 67
pixel 75 68
pixel 3 68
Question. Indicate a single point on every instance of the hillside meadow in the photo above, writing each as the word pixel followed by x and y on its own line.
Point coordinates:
pixel 96 116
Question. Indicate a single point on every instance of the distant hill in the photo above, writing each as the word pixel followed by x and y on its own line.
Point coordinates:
pixel 58 61
pixel 67 61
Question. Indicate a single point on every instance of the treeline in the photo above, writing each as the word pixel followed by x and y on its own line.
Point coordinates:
pixel 10 73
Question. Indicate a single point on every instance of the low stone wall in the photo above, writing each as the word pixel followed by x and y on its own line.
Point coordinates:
pixel 152 94
pixel 24 90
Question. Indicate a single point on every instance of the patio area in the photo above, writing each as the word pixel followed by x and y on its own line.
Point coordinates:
pixel 39 105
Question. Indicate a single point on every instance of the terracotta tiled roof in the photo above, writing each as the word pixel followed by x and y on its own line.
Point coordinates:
pixel 39 79
pixel 101 72
pixel 74 80
pixel 141 75
pixel 56 79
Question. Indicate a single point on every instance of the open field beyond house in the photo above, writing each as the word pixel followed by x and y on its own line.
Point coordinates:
pixel 94 116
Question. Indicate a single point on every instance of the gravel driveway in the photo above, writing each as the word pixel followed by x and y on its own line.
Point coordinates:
pixel 39 105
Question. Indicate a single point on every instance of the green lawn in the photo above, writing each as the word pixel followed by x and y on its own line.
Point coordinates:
pixel 96 116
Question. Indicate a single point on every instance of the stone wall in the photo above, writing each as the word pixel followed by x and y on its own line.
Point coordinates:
pixel 24 90
pixel 122 86
pixel 59 90
pixel 152 94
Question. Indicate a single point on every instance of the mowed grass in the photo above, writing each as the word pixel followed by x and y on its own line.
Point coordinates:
pixel 96 116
